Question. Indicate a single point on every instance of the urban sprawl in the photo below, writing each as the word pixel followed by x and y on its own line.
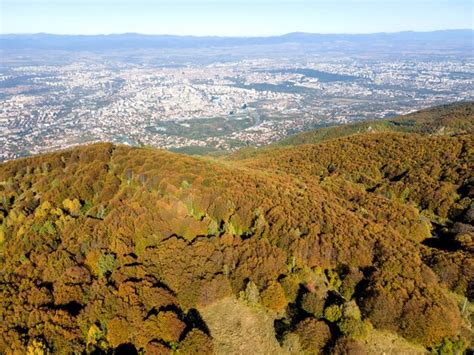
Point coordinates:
pixel 216 106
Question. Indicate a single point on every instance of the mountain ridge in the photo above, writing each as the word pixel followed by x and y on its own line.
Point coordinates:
pixel 135 40
pixel 329 245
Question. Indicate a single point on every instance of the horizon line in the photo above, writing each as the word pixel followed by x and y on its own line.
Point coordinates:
pixel 232 36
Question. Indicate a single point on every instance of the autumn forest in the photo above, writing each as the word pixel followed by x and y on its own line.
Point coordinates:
pixel 348 240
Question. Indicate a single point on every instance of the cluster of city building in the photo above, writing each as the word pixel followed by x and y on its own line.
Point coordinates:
pixel 222 105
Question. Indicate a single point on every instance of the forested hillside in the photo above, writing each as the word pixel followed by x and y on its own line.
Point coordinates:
pixel 441 120
pixel 361 242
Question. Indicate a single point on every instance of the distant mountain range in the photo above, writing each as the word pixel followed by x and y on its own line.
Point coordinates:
pixel 44 41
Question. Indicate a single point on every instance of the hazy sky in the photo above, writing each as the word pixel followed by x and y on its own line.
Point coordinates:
pixel 232 17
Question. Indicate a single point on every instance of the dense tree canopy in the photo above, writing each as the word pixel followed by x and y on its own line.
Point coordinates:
pixel 107 246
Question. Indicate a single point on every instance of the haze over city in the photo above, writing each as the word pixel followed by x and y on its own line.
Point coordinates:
pixel 233 17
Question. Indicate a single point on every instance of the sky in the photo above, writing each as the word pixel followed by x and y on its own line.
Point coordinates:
pixel 232 17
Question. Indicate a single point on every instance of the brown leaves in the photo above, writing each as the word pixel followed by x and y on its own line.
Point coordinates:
pixel 313 335
pixel 127 240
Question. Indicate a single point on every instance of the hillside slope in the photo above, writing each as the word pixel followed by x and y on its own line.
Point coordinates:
pixel 440 120
pixel 341 246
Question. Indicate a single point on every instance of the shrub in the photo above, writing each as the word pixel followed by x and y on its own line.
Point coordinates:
pixel 106 264
pixel 333 313
pixel 354 328
pixel 251 294
pixel 196 342
pixel 313 304
pixel 273 297
pixel 313 335
pixel 72 206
